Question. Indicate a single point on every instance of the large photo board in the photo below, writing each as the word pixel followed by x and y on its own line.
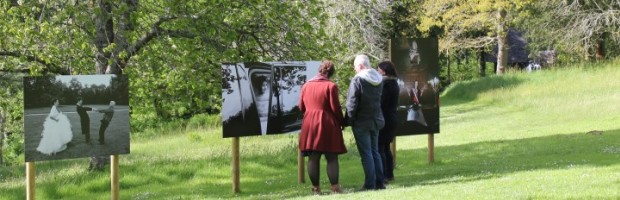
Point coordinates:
pixel 261 98
pixel 417 65
pixel 75 116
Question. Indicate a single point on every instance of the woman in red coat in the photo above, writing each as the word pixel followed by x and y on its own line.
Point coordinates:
pixel 321 128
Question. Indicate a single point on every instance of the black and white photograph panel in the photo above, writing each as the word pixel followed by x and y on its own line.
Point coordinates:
pixel 417 64
pixel 261 98
pixel 75 116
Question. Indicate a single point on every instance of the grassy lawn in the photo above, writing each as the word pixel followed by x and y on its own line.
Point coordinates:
pixel 516 136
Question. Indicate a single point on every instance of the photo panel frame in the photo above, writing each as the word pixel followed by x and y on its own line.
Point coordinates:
pixel 260 98
pixel 75 116
pixel 417 64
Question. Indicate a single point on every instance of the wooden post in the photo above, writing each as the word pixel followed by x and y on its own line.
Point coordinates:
pixel 114 177
pixel 30 180
pixel 393 149
pixel 431 148
pixel 300 168
pixel 235 165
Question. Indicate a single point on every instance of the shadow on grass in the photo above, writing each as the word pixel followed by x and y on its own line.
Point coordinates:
pixel 492 159
pixel 274 175
pixel 464 92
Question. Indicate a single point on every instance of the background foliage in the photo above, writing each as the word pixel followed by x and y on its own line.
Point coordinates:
pixel 172 49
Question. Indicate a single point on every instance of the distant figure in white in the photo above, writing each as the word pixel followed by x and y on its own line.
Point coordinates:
pixel 261 94
pixel 56 132
pixel 414 56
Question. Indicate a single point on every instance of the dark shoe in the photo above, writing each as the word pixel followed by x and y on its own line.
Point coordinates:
pixel 316 190
pixel 336 189
pixel 380 187
pixel 364 189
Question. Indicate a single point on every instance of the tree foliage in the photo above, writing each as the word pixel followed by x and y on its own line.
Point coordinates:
pixel 11 116
pixel 471 24
pixel 578 29
pixel 356 27
pixel 170 49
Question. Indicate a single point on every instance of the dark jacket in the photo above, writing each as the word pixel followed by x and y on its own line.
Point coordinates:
pixel 81 110
pixel 389 101
pixel 364 100
pixel 107 114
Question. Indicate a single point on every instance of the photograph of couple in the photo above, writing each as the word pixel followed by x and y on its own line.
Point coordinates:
pixel 80 107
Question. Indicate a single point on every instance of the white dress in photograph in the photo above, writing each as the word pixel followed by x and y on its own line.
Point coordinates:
pixel 56 133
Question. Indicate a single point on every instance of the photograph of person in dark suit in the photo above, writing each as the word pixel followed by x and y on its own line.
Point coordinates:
pixel 107 117
pixel 84 119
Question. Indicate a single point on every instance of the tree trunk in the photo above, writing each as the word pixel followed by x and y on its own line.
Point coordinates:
pixel 2 124
pixel 449 73
pixel 502 42
pixel 124 25
pixel 104 36
pixel 483 65
pixel 600 49
pixel 112 63
pixel 1 146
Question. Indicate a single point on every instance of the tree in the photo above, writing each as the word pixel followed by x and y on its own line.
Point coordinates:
pixel 170 49
pixel 356 27
pixel 472 24
pixel 169 45
pixel 11 112
pixel 585 27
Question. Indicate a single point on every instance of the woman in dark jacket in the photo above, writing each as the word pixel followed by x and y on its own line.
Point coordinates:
pixel 321 128
pixel 389 102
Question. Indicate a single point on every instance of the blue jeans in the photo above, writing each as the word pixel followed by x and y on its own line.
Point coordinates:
pixel 368 146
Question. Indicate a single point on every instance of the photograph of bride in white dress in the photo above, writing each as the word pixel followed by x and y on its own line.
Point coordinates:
pixel 56 132
pixel 75 116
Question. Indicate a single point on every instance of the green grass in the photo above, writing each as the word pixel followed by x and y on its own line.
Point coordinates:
pixel 516 136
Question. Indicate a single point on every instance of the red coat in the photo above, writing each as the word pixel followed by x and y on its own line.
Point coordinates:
pixel 321 127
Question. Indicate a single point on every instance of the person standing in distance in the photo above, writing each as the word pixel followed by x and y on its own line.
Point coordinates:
pixel 365 117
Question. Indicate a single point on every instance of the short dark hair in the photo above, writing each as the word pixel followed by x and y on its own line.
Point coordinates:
pixel 257 83
pixel 388 67
pixel 327 68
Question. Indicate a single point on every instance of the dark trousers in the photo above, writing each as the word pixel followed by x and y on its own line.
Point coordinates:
pixel 104 125
pixel 386 136
pixel 86 129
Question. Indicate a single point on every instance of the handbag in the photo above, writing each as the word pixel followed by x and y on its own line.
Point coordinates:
pixel 416 115
pixel 412 115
